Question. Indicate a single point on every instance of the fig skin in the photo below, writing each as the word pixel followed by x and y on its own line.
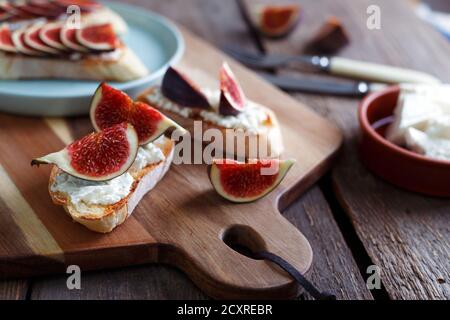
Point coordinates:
pixel 179 89
pixel 229 105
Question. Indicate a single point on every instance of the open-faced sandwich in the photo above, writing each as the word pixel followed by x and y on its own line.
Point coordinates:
pixel 54 47
pixel 226 109
pixel 100 178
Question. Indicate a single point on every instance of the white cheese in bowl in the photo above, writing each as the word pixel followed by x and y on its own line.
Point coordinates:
pixel 422 120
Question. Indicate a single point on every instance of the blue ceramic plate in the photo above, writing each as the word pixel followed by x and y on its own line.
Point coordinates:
pixel 156 41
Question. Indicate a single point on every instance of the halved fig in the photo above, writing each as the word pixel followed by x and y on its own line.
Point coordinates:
pixel 179 89
pixel 6 43
pixel 246 182
pixel 33 40
pixel 18 38
pixel 98 156
pixel 69 39
pixel 50 34
pixel 101 37
pixel 277 21
pixel 85 5
pixel 110 106
pixel 232 98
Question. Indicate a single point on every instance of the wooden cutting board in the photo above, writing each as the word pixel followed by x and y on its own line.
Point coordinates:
pixel 182 222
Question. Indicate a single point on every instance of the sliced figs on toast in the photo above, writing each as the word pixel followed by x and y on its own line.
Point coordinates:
pixel 33 40
pixel 246 182
pixel 98 37
pixel 110 106
pixel 232 98
pixel 50 34
pixel 99 156
pixel 6 43
pixel 181 90
pixel 69 39
pixel 84 5
pixel 18 38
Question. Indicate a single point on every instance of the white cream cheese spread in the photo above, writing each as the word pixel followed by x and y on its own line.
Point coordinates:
pixel 250 119
pixel 83 193
pixel 422 120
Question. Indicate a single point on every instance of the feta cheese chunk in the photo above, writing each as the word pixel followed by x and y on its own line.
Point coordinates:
pixel 420 142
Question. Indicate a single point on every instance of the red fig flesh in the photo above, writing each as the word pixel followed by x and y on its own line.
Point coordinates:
pixel 98 37
pixel 41 8
pixel 50 34
pixel 18 38
pixel 179 89
pixel 98 156
pixel 85 5
pixel 232 98
pixel 110 106
pixel 33 40
pixel 278 21
pixel 69 39
pixel 246 182
pixel 6 43
pixel 5 11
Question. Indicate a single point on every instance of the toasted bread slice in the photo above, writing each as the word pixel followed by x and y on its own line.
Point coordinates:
pixel 104 218
pixel 119 65
pixel 267 136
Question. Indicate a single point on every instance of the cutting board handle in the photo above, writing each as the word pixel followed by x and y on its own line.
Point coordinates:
pixel 215 262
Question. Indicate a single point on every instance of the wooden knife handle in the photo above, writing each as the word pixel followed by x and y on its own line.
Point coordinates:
pixel 378 72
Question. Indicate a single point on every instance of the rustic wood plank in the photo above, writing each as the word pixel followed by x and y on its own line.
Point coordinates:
pixel 13 289
pixel 404 233
pixel 209 28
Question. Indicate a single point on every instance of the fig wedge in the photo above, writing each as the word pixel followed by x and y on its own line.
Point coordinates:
pixel 98 156
pixel 179 89
pixel 6 43
pixel 110 106
pixel 18 38
pixel 50 34
pixel 232 98
pixel 69 39
pixel 277 21
pixel 246 182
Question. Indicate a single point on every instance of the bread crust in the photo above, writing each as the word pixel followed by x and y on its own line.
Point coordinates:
pixel 126 67
pixel 115 214
pixel 269 136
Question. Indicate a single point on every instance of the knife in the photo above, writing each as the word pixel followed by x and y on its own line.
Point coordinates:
pixel 353 89
pixel 334 65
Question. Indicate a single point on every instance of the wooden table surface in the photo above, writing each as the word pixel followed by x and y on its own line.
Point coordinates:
pixel 351 218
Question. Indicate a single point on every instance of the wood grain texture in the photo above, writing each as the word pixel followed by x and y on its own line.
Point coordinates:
pixel 185 228
pixel 405 234
pixel 158 280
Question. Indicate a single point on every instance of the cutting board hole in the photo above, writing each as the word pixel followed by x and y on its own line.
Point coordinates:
pixel 243 239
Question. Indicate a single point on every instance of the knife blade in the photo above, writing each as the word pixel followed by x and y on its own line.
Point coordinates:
pixel 352 89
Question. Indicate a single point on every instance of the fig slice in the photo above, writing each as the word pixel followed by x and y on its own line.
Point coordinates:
pixel 181 90
pixel 41 8
pixel 100 37
pixel 246 182
pixel 6 43
pixel 277 20
pixel 18 38
pixel 69 39
pixel 232 98
pixel 50 34
pixel 85 5
pixel 33 40
pixel 110 106
pixel 5 11
pixel 99 156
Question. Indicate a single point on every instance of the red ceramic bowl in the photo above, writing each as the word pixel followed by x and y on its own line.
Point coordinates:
pixel 395 164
